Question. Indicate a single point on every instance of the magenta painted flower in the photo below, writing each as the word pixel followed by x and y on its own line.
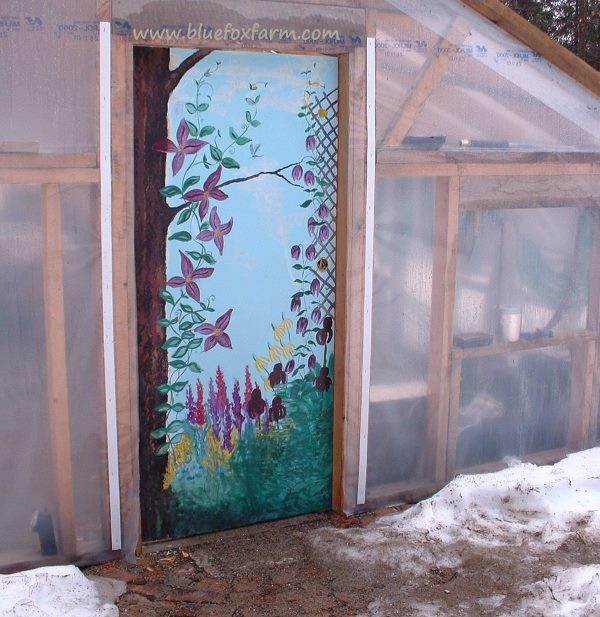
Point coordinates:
pixel 218 230
pixel 209 191
pixel 323 211
pixel 295 304
pixel 301 326
pixel 312 360
pixel 188 277
pixel 295 251
pixel 316 315
pixel 310 252
pixel 297 172
pixel 315 287
pixel 216 332
pixel 309 178
pixel 323 233
pixel 311 224
pixel 183 147
pixel 311 143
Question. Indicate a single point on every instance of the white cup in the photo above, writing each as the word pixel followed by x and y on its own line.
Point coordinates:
pixel 510 323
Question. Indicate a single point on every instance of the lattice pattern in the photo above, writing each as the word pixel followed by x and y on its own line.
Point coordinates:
pixel 327 150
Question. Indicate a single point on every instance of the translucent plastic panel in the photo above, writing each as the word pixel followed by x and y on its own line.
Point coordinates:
pixel 403 259
pixel 513 405
pixel 445 71
pixel 535 259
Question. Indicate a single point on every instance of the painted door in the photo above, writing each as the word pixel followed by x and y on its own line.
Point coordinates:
pixel 236 158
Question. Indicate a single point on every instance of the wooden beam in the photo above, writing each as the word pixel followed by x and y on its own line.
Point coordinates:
pixel 70 175
pixel 500 203
pixel 57 374
pixel 539 41
pixel 431 75
pixel 453 413
pixel 434 456
pixel 47 161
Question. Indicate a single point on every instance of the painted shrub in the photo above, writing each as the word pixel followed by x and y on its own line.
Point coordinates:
pixel 248 301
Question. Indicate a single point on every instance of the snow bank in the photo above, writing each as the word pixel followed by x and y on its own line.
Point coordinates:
pixel 58 591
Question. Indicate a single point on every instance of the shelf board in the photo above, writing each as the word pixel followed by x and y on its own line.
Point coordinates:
pixel 584 336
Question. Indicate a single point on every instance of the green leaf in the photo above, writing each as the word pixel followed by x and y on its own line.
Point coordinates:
pixel 191 180
pixel 306 203
pixel 183 236
pixel 257 99
pixel 194 255
pixel 298 281
pixel 166 296
pixel 187 336
pixel 202 107
pixel 197 318
pixel 191 108
pixel 171 342
pixel 178 407
pixel 164 388
pixel 164 322
pixel 170 191
pixel 187 308
pixel 320 194
pixel 230 163
pixel 175 426
pixel 194 367
pixel 301 115
pixel 248 117
pixel 216 153
pixel 193 130
pixel 163 407
pixel 178 386
pixel 184 216
pixel 195 343
pixel 297 267
pixel 186 325
pixel 233 134
pixel 163 449
pixel 209 259
pixel 254 123
pixel 207 130
pixel 158 433
pixel 180 352
pixel 242 141
pixel 178 364
pixel 250 101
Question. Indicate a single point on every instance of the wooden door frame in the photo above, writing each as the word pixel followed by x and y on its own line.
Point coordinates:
pixel 350 242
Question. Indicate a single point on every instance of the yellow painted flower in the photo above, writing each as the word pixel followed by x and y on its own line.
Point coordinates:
pixel 275 352
pixel 287 350
pixel 278 332
pixel 169 475
pixel 260 362
pixel 287 324
pixel 322 113
pixel 267 384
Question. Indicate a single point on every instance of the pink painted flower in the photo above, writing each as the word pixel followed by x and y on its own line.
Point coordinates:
pixel 323 233
pixel 183 147
pixel 309 178
pixel 323 211
pixel 188 277
pixel 218 230
pixel 316 315
pixel 311 143
pixel 216 332
pixel 301 326
pixel 310 252
pixel 312 360
pixel 297 172
pixel 295 252
pixel 209 191
pixel 315 287
pixel 311 224
pixel 295 304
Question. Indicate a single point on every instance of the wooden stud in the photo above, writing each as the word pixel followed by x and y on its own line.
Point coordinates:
pixel 57 374
pixel 442 315
pixel 71 175
pixel 47 161
pixel 431 75
pixel 453 413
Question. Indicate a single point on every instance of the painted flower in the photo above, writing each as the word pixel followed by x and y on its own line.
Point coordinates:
pixel 274 351
pixel 312 360
pixel 316 315
pixel 209 191
pixel 218 230
pixel 309 178
pixel 310 252
pixel 323 233
pixel 295 304
pixel 287 349
pixel 260 362
pixel 277 375
pixel 301 326
pixel 322 112
pixel 323 211
pixel 183 147
pixel 289 367
pixel 277 411
pixel 323 381
pixel 311 143
pixel 295 252
pixel 188 277
pixel 297 172
pixel 315 287
pixel 216 332
pixel 325 334
pixel 311 224
pixel 256 405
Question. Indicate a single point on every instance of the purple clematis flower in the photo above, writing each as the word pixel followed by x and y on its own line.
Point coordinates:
pixel 184 146
pixel 189 276
pixel 309 178
pixel 218 230
pixel 295 251
pixel 216 332
pixel 311 143
pixel 209 191
pixel 310 252
pixel 297 172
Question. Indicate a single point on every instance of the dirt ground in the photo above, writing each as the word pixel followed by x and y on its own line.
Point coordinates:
pixel 280 569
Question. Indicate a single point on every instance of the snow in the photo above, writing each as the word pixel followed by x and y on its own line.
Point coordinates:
pixel 58 591
pixel 526 508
